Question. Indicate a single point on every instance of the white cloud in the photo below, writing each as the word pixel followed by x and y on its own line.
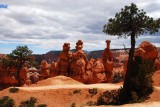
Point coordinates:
pixel 48 24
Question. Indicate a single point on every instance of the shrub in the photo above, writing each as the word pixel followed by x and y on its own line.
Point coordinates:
pixel 91 103
pixel 142 77
pixel 110 97
pixel 73 105
pixel 13 90
pixel 6 101
pixel 93 91
pixel 29 103
pixel 76 91
pixel 141 80
pixel 117 77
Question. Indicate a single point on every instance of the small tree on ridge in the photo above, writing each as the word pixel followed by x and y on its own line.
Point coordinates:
pixel 19 56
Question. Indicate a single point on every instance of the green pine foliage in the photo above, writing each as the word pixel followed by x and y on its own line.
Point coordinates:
pixel 131 20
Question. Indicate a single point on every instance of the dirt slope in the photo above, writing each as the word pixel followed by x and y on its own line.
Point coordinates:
pixel 58 80
pixel 63 91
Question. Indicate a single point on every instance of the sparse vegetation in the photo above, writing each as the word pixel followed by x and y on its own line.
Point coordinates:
pixel 110 97
pixel 76 91
pixel 6 101
pixel 29 103
pixel 13 90
pixel 117 77
pixel 93 91
pixel 73 105
pixel 91 103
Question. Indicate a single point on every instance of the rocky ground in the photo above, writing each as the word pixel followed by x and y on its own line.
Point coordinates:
pixel 63 91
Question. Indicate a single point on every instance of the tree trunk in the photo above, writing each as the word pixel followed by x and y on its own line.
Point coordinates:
pixel 126 92
pixel 18 72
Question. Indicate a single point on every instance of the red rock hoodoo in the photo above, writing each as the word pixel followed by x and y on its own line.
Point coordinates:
pixel 108 61
pixel 64 60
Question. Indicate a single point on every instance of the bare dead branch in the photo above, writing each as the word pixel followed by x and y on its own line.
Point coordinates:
pixel 125 49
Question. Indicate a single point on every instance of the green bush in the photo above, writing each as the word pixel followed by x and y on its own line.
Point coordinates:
pixel 109 97
pixel 140 82
pixel 142 77
pixel 29 103
pixel 6 101
pixel 13 90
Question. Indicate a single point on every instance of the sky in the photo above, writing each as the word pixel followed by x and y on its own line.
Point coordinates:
pixel 44 25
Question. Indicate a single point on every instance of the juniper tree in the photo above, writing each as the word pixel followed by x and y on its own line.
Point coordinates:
pixel 19 56
pixel 130 22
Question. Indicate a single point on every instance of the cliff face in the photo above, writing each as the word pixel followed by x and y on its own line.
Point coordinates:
pixel 49 56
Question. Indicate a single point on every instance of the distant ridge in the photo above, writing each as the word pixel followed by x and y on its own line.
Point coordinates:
pixel 54 54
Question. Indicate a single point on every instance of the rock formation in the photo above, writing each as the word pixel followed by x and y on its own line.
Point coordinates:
pixel 98 71
pixel 157 64
pixel 108 61
pixel 64 60
pixel 9 80
pixel 107 54
pixel 79 63
pixel 147 51
pixel 23 75
pixel 44 72
pixel 33 77
pixel 53 69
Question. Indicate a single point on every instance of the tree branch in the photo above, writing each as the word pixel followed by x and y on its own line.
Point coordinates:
pixel 125 49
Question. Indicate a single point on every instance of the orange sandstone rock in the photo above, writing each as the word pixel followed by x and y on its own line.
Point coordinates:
pixel 9 80
pixel 44 65
pixel 23 75
pixel 147 51
pixel 64 60
pixel 98 71
pixel 108 61
pixel 157 64
pixel 53 69
pixel 79 63
pixel 107 54
pixel 44 71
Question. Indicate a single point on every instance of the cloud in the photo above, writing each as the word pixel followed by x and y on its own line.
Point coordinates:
pixel 48 24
